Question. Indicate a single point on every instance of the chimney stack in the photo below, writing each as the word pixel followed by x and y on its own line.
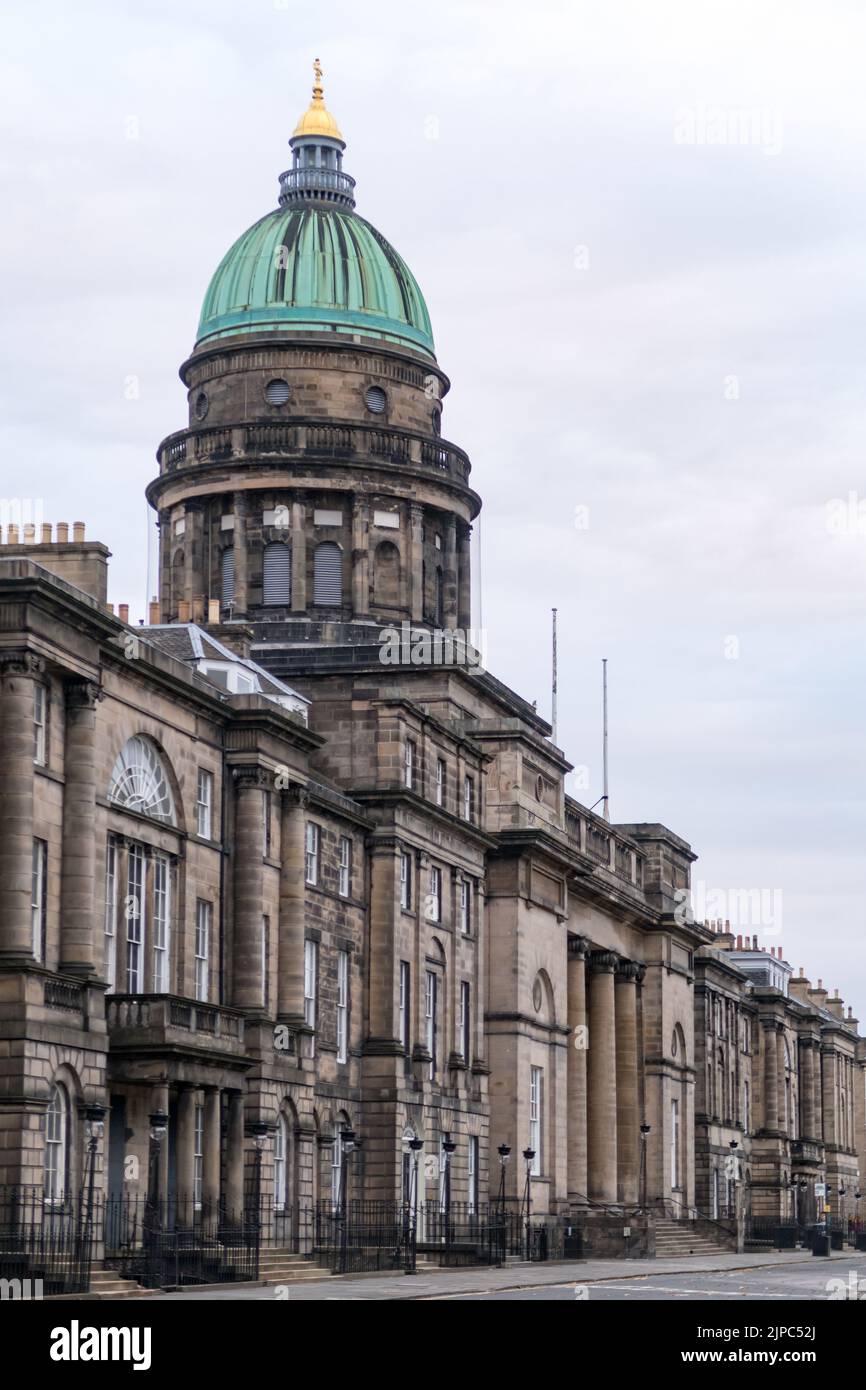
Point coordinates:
pixel 123 612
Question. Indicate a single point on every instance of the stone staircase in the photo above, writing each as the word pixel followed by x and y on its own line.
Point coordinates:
pixel 285 1267
pixel 107 1283
pixel 674 1238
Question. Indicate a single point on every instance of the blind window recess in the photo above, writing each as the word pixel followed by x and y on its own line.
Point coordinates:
pixel 327 580
pixel 227 577
pixel 276 574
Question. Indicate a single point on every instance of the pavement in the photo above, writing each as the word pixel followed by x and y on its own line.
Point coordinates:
pixel 784 1275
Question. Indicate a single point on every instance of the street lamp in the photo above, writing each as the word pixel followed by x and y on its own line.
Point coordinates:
pixel 152 1212
pixel 528 1157
pixel 448 1150
pixel 415 1147
pixel 347 1146
pixel 644 1135
pixel 94 1128
pixel 504 1152
pixel 734 1172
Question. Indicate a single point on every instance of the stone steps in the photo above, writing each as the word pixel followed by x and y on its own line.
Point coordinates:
pixel 677 1238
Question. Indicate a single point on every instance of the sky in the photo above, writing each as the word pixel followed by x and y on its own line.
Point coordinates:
pixel 639 231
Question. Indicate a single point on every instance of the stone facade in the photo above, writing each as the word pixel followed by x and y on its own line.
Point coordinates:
pixel 262 870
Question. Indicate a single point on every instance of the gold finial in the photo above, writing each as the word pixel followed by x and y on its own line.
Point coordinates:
pixel 317 119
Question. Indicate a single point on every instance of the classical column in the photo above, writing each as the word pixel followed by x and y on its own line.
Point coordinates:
pixel 450 599
pixel 186 1107
pixel 235 1155
pixel 807 1087
pixel 817 1089
pixel 360 559
pixel 416 561
pixel 464 578
pixel 290 967
pixel 578 1040
pixel 784 1097
pixel 771 1073
pixel 299 554
pixel 247 982
pixel 828 1094
pixel 18 674
pixel 602 1078
pixel 159 1101
pixel 211 1161
pixel 239 542
pixel 627 1115
pixel 78 874
pixel 383 985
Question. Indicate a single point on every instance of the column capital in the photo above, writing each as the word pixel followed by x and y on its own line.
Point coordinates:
pixel 629 972
pixel 251 775
pixel 416 512
pixel 296 796
pixel 578 948
pixel 603 962
pixel 21 663
pixel 82 694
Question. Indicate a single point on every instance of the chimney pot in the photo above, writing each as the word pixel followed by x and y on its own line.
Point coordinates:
pixel 739 943
pixel 12 537
pixel 123 612
pixel 153 612
pixel 63 532
pixel 183 610
pixel 754 943
pixel 46 533
pixel 78 530
pixel 29 532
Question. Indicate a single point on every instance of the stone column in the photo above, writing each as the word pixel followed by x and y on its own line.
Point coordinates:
pixel 290 968
pixel 159 1101
pixel 602 1078
pixel 807 1088
pixel 817 1089
pixel 239 542
pixel 784 1099
pixel 578 1040
pixel 360 559
pixel 247 983
pixel 235 1155
pixel 19 671
pixel 627 1115
pixel 771 1073
pixel 77 906
pixel 382 970
pixel 828 1095
pixel 211 1163
pixel 299 554
pixel 464 578
pixel 450 596
pixel 185 1151
pixel 416 561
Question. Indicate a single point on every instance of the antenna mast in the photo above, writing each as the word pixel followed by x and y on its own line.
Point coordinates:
pixel 553 692
pixel 604 738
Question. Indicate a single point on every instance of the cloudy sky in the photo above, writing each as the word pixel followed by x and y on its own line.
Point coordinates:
pixel 639 230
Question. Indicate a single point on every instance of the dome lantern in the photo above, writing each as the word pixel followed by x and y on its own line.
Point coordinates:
pixel 317 156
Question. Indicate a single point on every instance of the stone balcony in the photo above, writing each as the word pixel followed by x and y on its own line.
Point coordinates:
pixel 139 1022
pixel 306 442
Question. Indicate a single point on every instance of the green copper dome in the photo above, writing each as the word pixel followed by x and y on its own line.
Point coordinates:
pixel 312 267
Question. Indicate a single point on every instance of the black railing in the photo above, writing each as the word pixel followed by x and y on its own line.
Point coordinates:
pixel 176 1242
pixel 363 1237
pixel 48 1243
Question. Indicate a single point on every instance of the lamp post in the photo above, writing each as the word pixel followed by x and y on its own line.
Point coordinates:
pixel 504 1152
pixel 94 1128
pixel 842 1191
pixel 347 1146
pixel 152 1211
pixel 448 1149
pixel 258 1132
pixel 528 1156
pixel 415 1147
pixel 857 1195
pixel 734 1172
pixel 644 1135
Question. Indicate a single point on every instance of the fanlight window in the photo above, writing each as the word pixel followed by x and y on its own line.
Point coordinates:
pixel 139 782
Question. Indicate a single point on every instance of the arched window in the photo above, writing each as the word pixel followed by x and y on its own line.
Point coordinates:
pixel 139 781
pixel 327 579
pixel 281 1149
pixel 277 574
pixel 227 577
pixel 56 1162
pixel 386 575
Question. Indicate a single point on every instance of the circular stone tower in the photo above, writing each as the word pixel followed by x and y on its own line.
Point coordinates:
pixel 311 495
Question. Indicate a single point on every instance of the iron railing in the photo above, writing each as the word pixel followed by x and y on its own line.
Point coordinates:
pixel 176 1242
pixel 48 1242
